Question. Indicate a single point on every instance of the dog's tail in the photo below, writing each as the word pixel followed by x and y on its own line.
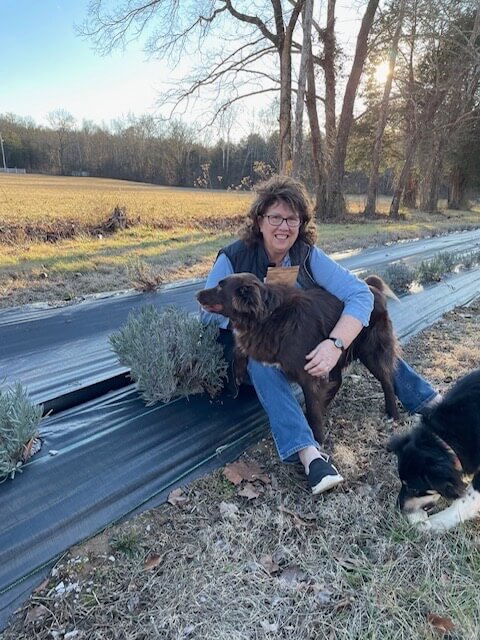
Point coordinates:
pixel 381 285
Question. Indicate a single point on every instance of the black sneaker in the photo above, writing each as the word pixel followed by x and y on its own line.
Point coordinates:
pixel 322 475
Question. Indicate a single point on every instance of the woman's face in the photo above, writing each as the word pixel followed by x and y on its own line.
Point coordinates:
pixel 279 238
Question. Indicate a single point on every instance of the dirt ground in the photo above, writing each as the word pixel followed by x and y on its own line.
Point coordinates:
pixel 263 559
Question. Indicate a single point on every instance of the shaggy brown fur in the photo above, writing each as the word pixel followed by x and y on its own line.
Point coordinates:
pixel 278 324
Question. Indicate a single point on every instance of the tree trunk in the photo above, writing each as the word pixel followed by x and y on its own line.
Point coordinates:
pixel 285 118
pixel 330 82
pixel 335 199
pixel 410 190
pixel 307 15
pixel 372 190
pixel 318 151
pixel 402 180
pixel 284 47
pixel 431 184
pixel 457 184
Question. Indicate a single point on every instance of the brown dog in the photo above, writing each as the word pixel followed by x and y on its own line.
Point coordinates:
pixel 277 324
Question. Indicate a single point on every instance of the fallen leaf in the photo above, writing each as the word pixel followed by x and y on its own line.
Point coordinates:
pixel 188 630
pixel 31 448
pixel 249 491
pixel 269 564
pixel 298 521
pixel 35 614
pixel 177 497
pixel 228 509
pixel 152 561
pixel 343 604
pixel 349 564
pixel 242 470
pixel 41 586
pixel 293 575
pixel 269 627
pixel 133 602
pixel 441 624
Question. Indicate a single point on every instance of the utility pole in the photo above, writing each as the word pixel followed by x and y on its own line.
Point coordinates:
pixel 3 154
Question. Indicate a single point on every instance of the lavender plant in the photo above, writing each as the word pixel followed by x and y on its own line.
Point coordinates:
pixel 170 354
pixel 19 420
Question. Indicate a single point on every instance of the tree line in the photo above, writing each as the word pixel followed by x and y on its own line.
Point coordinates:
pixel 136 148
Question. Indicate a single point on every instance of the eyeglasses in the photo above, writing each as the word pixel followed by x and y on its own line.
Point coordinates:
pixel 276 221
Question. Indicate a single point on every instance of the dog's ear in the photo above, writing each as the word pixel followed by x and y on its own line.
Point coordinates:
pixel 248 299
pixel 397 442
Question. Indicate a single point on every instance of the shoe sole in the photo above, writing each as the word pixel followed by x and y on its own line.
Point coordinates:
pixel 327 483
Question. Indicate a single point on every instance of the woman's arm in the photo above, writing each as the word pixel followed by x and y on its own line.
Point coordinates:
pixel 358 305
pixel 343 284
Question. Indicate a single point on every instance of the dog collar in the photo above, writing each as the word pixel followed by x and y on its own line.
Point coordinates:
pixel 456 460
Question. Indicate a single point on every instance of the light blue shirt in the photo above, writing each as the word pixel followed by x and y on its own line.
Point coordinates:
pixel 343 284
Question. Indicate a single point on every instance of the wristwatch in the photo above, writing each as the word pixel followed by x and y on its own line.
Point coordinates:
pixel 337 342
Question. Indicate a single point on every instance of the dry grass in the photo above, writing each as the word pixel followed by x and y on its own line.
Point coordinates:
pixel 282 565
pixel 55 246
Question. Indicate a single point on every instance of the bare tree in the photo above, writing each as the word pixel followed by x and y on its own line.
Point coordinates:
pixel 372 189
pixel 335 198
pixel 307 16
pixel 173 26
pixel 63 123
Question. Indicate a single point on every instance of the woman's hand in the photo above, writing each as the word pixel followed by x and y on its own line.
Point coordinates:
pixel 322 359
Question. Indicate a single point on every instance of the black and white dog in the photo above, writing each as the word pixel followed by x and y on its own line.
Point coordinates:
pixel 441 457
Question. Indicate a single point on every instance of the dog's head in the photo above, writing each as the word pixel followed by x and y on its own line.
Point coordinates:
pixel 240 297
pixel 427 470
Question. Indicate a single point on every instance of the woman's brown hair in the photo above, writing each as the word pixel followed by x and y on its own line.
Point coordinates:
pixel 281 189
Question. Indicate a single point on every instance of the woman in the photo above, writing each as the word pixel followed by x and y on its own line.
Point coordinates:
pixel 280 232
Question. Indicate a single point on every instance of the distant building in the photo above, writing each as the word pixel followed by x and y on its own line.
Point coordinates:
pixel 81 174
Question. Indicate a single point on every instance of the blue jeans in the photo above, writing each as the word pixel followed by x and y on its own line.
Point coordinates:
pixel 290 429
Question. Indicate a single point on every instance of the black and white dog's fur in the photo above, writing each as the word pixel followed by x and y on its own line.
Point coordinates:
pixel 440 456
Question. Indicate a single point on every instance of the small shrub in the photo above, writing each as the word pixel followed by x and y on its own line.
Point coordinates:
pixel 143 277
pixel 399 276
pixel 19 420
pixel 448 260
pixel 470 259
pixel 128 543
pixel 433 270
pixel 429 271
pixel 170 354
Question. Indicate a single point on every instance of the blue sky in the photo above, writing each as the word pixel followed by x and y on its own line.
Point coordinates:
pixel 46 66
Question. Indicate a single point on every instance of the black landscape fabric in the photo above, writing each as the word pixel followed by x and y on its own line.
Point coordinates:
pixel 63 356
pixel 104 460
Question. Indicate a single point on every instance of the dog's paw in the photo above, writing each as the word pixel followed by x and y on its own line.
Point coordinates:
pixel 417 518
